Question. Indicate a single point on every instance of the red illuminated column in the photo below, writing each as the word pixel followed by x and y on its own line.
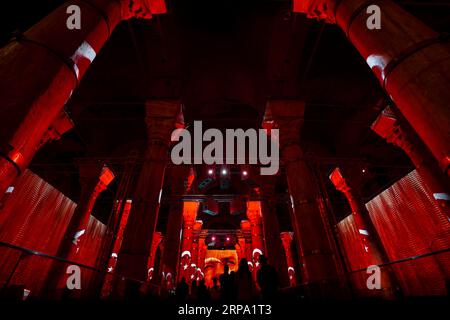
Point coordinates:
pixel 371 245
pixel 388 127
pixel 180 177
pixel 319 264
pixel 94 179
pixel 201 253
pixel 190 209
pixel 286 239
pixel 42 68
pixel 255 218
pixel 411 61
pixel 247 232
pixel 271 225
pixel 157 238
pixel 160 119
pixel 108 282
pixel 195 244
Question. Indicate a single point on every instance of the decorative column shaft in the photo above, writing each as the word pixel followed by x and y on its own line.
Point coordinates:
pixel 247 237
pixel 157 238
pixel 255 217
pixel 94 179
pixel 190 210
pixel 135 250
pixel 389 128
pixel 319 265
pixel 43 67
pixel 195 243
pixel 272 239
pixel 201 253
pixel 180 176
pixel 371 245
pixel 410 60
pixel 286 239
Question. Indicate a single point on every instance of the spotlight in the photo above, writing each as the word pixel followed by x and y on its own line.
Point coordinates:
pixel 224 172
pixel 213 238
pixel 210 171
pixel 363 170
pixel 228 238
pixel 245 173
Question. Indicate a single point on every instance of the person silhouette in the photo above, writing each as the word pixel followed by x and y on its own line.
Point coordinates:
pixel 194 290
pixel 267 279
pixel 244 282
pixel 202 292
pixel 226 286
pixel 182 290
pixel 215 290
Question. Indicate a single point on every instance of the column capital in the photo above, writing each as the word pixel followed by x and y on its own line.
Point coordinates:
pixel 389 128
pixel 289 117
pixel 316 9
pixel 339 181
pixel 142 9
pixel 286 238
pixel 161 117
pixel 198 225
pixel 245 225
pixel 190 209
pixel 254 212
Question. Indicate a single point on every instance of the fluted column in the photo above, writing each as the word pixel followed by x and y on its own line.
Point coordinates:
pixel 389 127
pixel 179 177
pixel 157 238
pixel 286 239
pixel 373 250
pixel 160 119
pixel 411 61
pixel 190 209
pixel 201 253
pixel 255 217
pixel 94 179
pixel 42 68
pixel 195 241
pixel 271 225
pixel 247 237
pixel 319 265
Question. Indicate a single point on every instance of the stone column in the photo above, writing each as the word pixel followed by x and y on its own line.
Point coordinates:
pixel 94 179
pixel 179 177
pixel 195 241
pixel 157 238
pixel 138 235
pixel 41 69
pixel 201 253
pixel 190 210
pixel 286 239
pixel 319 264
pixel 255 217
pixel 389 127
pixel 411 61
pixel 247 237
pixel 274 247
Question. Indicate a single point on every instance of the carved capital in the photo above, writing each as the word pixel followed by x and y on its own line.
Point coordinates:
pixel 142 9
pixel 316 9
pixel 388 127
pixel 245 225
pixel 161 117
pixel 190 209
pixel 254 212
pixel 339 182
